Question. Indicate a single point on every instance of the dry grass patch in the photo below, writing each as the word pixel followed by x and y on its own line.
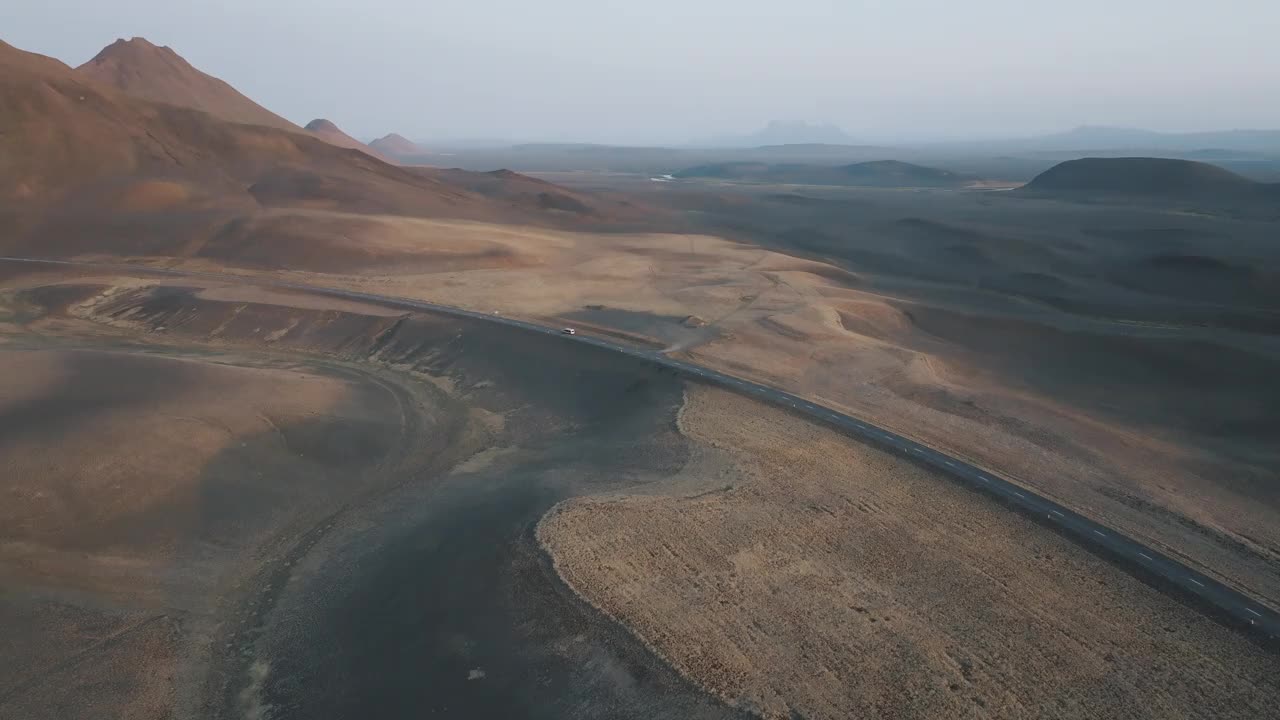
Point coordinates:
pixel 833 580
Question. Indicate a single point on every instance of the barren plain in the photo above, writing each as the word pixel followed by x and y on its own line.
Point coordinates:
pixel 227 499
pixel 826 579
pixel 1138 408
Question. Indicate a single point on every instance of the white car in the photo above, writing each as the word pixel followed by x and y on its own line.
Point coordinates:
pixel 569 331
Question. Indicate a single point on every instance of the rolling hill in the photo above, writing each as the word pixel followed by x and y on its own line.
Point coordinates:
pixel 327 131
pixel 1143 177
pixel 396 146
pixel 877 173
pixel 532 193
pixel 137 67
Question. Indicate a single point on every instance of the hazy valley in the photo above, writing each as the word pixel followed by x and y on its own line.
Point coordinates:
pixel 249 474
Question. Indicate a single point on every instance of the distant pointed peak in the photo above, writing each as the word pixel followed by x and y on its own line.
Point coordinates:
pixel 322 125
pixel 132 48
pixel 396 144
pixel 136 43
pixel 142 69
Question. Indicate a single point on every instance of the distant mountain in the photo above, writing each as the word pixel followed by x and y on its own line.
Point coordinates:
pixel 140 69
pixel 1093 138
pixel 878 173
pixel 396 146
pixel 1144 177
pixel 1100 136
pixel 332 134
pixel 779 132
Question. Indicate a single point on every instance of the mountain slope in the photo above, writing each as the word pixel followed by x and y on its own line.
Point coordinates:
pixel 332 134
pixel 86 169
pixel 61 131
pixel 140 69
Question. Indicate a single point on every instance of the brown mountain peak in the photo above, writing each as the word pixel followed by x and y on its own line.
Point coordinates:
pixel 142 69
pixel 327 131
pixel 396 145
pixel 323 125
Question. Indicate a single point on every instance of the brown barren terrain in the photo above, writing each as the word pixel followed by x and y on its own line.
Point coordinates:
pixel 826 579
pixel 1033 397
pixel 138 490
pixel 222 500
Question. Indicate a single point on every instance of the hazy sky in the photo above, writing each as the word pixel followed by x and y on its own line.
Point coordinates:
pixel 680 70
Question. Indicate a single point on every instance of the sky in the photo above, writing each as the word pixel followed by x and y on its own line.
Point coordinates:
pixel 680 71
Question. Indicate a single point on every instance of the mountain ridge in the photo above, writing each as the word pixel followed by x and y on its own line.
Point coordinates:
pixel 144 70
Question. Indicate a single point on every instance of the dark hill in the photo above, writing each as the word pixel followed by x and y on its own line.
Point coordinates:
pixel 879 173
pixel 1141 176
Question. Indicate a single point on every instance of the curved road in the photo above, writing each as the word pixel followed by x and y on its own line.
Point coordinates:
pixel 1143 561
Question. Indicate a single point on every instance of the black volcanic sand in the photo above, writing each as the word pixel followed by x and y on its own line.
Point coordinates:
pixel 422 591
pixel 440 602
pixel 436 600
pixel 448 608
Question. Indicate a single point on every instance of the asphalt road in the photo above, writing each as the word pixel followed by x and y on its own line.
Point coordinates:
pixel 1145 562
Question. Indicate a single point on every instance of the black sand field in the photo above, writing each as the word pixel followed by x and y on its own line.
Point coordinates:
pixel 367 553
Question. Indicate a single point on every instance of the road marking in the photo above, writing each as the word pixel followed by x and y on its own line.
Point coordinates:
pixel 1015 492
pixel 917 451
pixel 1255 612
pixel 1099 532
pixel 983 479
pixel 1055 512
pixel 1147 556
pixel 1196 582
pixel 950 464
